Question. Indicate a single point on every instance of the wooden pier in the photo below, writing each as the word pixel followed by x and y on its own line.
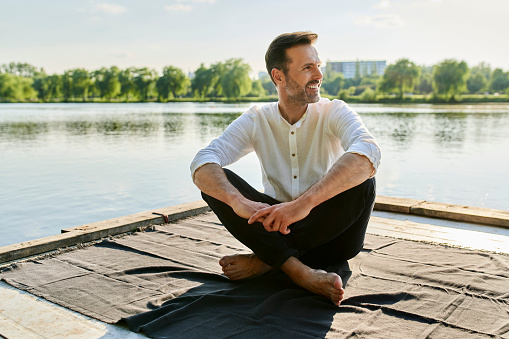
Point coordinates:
pixel 409 229
pixel 24 315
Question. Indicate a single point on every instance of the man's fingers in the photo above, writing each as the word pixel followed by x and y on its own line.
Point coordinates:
pixel 260 214
pixel 283 228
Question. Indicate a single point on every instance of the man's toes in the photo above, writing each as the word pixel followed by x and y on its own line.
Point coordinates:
pixel 225 261
pixel 337 283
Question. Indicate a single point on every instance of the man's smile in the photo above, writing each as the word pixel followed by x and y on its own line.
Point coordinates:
pixel 313 86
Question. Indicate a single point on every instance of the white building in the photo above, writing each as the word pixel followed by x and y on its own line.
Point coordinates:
pixel 349 68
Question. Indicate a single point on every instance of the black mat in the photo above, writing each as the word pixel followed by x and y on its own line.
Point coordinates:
pixel 167 283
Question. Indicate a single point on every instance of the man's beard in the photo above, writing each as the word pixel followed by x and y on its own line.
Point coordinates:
pixel 299 95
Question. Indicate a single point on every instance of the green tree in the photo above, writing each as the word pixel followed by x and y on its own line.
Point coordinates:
pixel 333 82
pixel 81 83
pixel 269 86
pixel 217 72
pixel 202 82
pixel 48 87
pixel 485 69
pixel 173 82
pixel 144 80
pixel 257 89
pixel 126 80
pixel 368 95
pixel 41 86
pixel 67 89
pixel 424 83
pixel 16 88
pixel 476 82
pixel 478 79
pixel 450 77
pixel 21 69
pixel 499 80
pixel 107 82
pixel 400 77
pixel 344 94
pixel 372 79
pixel 235 80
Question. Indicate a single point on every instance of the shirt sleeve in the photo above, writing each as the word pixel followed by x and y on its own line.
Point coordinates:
pixel 234 143
pixel 354 136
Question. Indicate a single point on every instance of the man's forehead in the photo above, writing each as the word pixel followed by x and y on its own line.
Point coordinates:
pixel 303 54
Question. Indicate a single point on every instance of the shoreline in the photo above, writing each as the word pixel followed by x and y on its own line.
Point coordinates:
pixel 414 99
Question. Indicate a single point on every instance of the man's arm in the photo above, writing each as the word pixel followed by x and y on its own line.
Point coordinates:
pixel 350 170
pixel 211 180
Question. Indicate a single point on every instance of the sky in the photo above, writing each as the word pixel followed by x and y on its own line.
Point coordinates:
pixel 62 35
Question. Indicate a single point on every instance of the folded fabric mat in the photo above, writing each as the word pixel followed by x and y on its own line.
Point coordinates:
pixel 167 283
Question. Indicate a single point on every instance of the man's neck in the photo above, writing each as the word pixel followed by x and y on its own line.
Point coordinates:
pixel 291 112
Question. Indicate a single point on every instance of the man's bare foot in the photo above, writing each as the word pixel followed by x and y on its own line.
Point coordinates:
pixel 316 281
pixel 327 284
pixel 242 266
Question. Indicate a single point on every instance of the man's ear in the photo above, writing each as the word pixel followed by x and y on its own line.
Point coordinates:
pixel 277 75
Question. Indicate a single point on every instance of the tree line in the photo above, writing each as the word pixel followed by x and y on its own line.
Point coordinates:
pixel 445 81
pixel 230 80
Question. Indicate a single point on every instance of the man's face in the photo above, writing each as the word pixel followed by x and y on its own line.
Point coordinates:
pixel 303 77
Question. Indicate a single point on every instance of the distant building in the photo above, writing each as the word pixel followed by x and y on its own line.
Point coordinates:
pixel 349 68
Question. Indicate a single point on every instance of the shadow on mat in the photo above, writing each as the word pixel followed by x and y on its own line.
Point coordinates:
pixel 267 306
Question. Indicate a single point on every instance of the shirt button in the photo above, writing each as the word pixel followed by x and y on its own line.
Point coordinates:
pixel 293 154
pixel 292 133
pixel 295 177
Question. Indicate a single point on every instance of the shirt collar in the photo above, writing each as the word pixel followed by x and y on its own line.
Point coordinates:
pixel 298 123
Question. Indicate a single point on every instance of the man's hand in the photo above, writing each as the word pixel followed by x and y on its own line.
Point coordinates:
pixel 279 217
pixel 245 208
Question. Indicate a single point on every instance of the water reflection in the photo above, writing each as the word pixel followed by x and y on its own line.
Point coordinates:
pixel 22 130
pixel 129 127
pixel 215 123
pixel 78 127
pixel 173 124
pixel 449 129
pixel 399 128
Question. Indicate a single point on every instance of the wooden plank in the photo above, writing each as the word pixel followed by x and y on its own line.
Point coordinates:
pixel 479 215
pixel 23 316
pixel 97 230
pixel 397 205
pixel 405 229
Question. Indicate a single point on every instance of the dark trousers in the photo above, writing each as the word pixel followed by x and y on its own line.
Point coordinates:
pixel 332 233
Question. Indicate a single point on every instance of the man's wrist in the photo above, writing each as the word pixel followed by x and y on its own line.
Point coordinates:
pixel 307 201
pixel 233 198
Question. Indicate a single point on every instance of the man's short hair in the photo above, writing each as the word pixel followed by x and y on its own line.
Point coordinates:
pixel 276 53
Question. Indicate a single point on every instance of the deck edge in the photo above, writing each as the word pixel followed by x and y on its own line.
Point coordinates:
pixel 95 231
pixel 98 230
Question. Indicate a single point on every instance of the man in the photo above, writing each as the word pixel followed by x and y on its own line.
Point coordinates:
pixel 318 163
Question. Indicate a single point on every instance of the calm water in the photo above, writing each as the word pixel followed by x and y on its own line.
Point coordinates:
pixel 64 165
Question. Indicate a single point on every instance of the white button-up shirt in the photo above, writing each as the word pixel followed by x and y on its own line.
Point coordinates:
pixel 292 157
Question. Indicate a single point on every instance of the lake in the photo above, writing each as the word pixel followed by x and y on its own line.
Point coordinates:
pixel 63 165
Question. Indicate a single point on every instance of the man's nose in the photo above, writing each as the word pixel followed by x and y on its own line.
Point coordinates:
pixel 318 75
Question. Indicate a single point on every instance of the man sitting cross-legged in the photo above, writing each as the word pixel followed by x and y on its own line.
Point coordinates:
pixel 318 163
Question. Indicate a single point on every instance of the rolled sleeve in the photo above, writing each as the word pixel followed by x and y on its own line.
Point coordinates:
pixel 354 136
pixel 234 143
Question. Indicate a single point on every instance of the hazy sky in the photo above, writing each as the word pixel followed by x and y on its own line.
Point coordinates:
pixel 61 35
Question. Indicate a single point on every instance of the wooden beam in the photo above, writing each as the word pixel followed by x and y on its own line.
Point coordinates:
pixel 97 230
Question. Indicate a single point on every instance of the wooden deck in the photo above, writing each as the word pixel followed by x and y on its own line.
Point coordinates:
pixel 472 236
pixel 25 316
pixel 410 208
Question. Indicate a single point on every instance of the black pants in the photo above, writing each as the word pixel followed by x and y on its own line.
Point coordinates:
pixel 332 233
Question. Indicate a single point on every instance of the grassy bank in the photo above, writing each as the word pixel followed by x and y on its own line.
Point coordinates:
pixel 412 99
